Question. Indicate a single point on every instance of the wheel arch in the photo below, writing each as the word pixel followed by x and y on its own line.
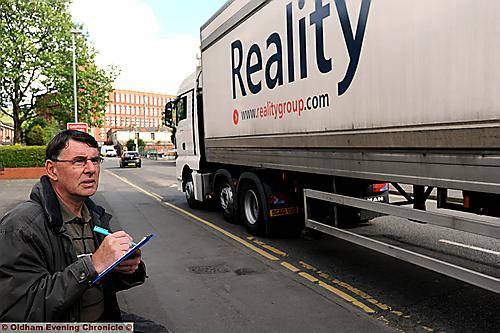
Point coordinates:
pixel 220 175
pixel 186 173
pixel 252 177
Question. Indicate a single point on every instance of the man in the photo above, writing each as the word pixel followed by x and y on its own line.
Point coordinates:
pixel 49 254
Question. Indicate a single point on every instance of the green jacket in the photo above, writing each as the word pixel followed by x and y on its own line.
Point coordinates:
pixel 41 278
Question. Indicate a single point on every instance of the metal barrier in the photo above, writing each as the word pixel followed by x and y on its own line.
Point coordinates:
pixel 488 229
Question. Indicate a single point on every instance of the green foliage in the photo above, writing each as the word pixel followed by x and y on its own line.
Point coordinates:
pixel 35 136
pixel 22 157
pixel 50 131
pixel 131 145
pixel 93 88
pixel 36 64
pixel 33 122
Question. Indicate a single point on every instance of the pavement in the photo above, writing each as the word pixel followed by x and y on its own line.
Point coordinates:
pixel 201 281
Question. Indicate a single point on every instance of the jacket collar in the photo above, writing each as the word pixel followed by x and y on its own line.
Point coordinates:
pixel 44 194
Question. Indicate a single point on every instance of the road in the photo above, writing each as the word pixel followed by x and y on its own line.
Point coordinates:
pixel 402 295
pixel 206 279
pixel 206 275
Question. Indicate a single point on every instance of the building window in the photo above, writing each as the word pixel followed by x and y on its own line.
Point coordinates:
pixel 152 136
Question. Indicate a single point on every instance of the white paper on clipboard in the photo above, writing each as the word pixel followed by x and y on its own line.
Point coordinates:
pixel 127 254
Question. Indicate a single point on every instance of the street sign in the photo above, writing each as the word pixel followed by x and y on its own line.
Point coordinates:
pixel 77 126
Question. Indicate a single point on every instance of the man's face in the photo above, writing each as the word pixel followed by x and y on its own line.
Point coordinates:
pixel 72 180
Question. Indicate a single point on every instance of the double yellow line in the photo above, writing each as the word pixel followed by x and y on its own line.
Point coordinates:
pixel 265 254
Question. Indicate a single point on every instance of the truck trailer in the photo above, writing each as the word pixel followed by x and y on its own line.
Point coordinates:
pixel 306 111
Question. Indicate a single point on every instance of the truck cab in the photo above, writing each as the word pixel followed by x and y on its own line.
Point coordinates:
pixel 184 114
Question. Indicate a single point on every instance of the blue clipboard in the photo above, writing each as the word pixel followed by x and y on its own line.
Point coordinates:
pixel 124 257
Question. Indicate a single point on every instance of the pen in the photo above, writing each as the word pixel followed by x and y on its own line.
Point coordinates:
pixel 105 232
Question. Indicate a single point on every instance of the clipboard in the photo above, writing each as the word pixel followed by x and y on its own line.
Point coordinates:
pixel 127 254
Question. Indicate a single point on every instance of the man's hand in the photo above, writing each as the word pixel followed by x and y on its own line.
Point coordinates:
pixel 130 265
pixel 111 249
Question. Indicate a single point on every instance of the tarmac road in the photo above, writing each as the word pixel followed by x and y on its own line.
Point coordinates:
pixel 403 296
pixel 211 276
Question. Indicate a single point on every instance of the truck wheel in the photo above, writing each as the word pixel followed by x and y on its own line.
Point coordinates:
pixel 225 196
pixel 251 209
pixel 189 192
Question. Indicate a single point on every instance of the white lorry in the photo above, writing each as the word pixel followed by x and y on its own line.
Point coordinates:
pixel 307 108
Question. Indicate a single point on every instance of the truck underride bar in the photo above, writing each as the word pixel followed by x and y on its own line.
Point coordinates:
pixel 458 223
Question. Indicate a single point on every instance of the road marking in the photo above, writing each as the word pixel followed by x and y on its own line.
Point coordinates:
pixel 290 267
pixel 308 277
pixel 470 247
pixel 307 266
pixel 213 226
pixel 346 297
pixel 268 247
pixel 173 185
pixel 265 254
pixel 346 286
pixel 226 233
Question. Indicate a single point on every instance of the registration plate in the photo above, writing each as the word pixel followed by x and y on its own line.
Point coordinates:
pixel 283 211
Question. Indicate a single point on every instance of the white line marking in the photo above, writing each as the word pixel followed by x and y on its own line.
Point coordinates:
pixel 469 247
pixel 173 185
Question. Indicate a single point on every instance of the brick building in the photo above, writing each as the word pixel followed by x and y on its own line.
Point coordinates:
pixel 6 134
pixel 131 110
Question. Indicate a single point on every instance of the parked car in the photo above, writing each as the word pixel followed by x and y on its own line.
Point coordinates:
pixel 130 158
pixel 108 151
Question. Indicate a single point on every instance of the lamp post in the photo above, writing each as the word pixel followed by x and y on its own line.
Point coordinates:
pixel 75 102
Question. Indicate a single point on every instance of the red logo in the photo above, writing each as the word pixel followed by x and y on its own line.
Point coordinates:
pixel 236 116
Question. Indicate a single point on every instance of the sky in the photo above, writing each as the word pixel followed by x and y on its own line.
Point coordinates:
pixel 154 43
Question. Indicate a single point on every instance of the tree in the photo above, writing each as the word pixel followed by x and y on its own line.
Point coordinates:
pixel 36 64
pixel 35 136
pixel 131 145
pixel 50 131
pixel 93 85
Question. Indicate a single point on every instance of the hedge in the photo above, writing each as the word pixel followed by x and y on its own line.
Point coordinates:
pixel 22 157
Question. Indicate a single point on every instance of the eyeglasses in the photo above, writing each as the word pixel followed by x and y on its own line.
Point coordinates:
pixel 80 162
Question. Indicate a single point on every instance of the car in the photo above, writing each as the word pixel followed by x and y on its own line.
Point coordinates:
pixel 130 158
pixel 108 151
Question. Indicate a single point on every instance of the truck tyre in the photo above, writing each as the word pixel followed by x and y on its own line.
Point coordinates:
pixel 225 198
pixel 189 192
pixel 250 207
